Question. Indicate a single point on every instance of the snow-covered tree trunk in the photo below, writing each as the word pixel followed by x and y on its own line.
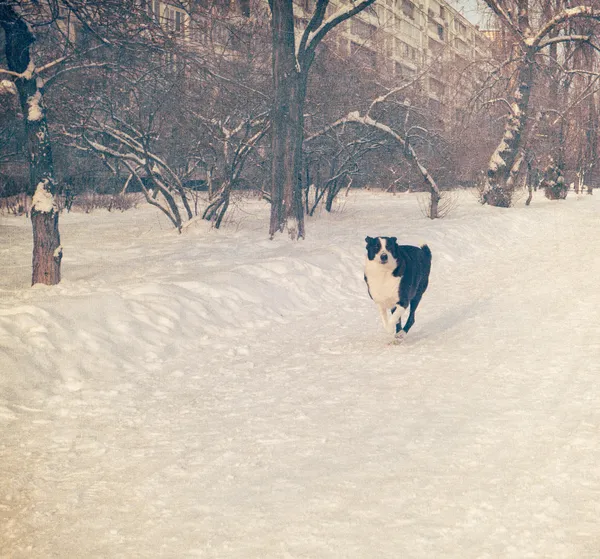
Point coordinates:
pixel 499 187
pixel 47 251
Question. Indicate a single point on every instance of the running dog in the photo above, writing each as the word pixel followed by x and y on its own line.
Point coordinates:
pixel 396 277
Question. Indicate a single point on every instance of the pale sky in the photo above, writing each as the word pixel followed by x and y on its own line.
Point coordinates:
pixel 474 10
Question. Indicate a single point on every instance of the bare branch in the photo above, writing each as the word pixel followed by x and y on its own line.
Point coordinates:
pixel 395 90
pixel 76 69
pixel 563 39
pixel 315 22
pixel 408 150
pixel 586 12
pixel 333 21
pixel 505 18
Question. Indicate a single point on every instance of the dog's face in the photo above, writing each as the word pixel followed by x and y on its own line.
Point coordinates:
pixel 382 250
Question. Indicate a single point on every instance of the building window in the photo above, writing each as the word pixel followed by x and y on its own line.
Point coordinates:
pixel 198 33
pixel 389 47
pixel 361 29
pixel 461 46
pixel 436 87
pixel 220 35
pixel 410 30
pixel 382 14
pixel 403 72
pixel 408 9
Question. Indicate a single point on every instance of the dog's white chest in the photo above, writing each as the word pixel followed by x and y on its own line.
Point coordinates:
pixel 383 286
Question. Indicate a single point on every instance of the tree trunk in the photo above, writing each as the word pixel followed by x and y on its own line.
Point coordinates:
pixel 287 126
pixel 217 208
pixel 47 252
pixel 499 189
pixel 529 181
pixel 332 191
pixel 434 204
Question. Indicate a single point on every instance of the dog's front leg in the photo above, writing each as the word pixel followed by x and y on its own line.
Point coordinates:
pixel 384 317
pixel 396 319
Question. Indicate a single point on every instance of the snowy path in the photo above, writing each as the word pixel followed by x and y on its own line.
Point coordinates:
pixel 228 399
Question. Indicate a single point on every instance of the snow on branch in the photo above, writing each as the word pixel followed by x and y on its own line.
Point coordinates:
pixel 10 73
pixel 395 90
pixel 102 149
pixel 90 66
pixel 52 64
pixel 586 12
pixel 410 154
pixel 502 100
pixel 6 86
pixel 25 75
pixel 563 39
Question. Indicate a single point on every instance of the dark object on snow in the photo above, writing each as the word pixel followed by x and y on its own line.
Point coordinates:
pixel 553 183
pixel 69 198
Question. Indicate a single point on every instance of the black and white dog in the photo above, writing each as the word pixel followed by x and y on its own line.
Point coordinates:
pixel 396 276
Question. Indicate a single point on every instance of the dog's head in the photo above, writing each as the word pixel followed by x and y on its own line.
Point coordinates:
pixel 382 249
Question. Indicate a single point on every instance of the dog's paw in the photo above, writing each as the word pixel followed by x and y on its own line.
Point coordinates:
pixel 399 337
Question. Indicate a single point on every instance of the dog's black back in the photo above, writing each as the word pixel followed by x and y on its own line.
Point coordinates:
pixel 414 265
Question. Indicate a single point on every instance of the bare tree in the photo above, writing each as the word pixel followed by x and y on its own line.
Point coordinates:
pixel 531 36
pixel 40 49
pixel 236 144
pixel 291 66
pixel 47 250
pixel 332 166
pixel 403 141
pixel 132 149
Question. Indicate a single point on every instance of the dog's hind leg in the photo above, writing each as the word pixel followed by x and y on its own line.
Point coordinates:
pixel 413 307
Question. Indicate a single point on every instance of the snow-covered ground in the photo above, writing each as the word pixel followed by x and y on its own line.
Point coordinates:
pixel 216 394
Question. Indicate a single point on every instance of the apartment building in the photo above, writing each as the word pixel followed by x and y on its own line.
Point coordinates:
pixel 399 38
pixel 405 39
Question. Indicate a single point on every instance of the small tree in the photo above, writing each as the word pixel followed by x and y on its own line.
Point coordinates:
pixel 553 182
pixel 236 144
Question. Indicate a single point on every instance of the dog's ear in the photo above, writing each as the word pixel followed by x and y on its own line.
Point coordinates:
pixel 393 239
pixel 369 240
